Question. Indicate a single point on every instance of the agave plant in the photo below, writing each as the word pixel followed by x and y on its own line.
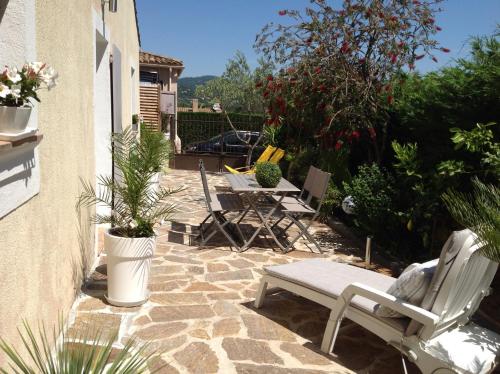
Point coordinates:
pixel 480 212
pixel 135 206
pixel 84 354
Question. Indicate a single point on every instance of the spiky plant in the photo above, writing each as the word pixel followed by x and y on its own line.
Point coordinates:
pixel 135 206
pixel 86 353
pixel 480 212
pixel 154 149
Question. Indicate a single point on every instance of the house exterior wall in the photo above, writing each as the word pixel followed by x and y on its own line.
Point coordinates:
pixel 45 244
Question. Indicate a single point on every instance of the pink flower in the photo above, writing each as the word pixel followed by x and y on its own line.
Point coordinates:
pixel 282 12
pixel 445 50
pixel 338 145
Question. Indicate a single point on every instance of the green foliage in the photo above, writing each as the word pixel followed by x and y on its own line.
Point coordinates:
pixel 153 150
pixel 333 200
pixel 271 135
pixel 186 87
pixel 136 206
pixel 268 175
pixel 372 190
pixel 480 212
pixel 87 353
pixel 235 89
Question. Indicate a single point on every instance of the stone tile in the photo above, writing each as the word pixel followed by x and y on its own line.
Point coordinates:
pixel 160 331
pixel 247 349
pixel 142 320
pixel 199 333
pixel 223 296
pixel 260 327
pixel 240 263
pixel 159 366
pixel 256 257
pixel 304 355
pixel 178 313
pixel 226 327
pixel 166 345
pixel 225 309
pixel 202 286
pixel 215 267
pixel 167 286
pixel 88 324
pixel 198 358
pixel 91 304
pixel 267 369
pixel 170 298
pixel 197 270
pixel 229 275
pixel 182 260
pixel 166 269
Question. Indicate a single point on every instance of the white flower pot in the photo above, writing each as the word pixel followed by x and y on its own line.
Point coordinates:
pixel 154 182
pixel 14 120
pixel 129 263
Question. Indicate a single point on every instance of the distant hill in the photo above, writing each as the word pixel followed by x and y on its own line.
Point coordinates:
pixel 186 87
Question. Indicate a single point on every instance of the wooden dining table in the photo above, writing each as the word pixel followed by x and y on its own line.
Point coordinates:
pixel 247 187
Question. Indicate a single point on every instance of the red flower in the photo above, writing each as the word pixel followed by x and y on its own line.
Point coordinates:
pixel 265 94
pixel 290 70
pixel 401 44
pixel 438 28
pixel 309 41
pixel 387 88
pixel 390 99
pixel 322 88
pixel 394 18
pixel 362 60
pixel 381 15
pixel 345 47
pixel 416 2
pixel 445 50
pixel 269 78
pixel 355 134
pixel 411 66
pixel 434 59
pixel 282 12
pixel 258 84
pixel 419 57
pixel 317 70
pixel 338 145
pixel 394 58
pixel 372 132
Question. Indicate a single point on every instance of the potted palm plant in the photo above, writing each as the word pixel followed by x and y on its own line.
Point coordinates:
pixel 17 88
pixel 135 208
pixel 156 154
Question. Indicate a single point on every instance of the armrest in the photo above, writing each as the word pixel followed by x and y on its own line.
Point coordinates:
pixel 414 312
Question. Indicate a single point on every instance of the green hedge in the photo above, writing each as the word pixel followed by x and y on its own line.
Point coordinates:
pixel 200 126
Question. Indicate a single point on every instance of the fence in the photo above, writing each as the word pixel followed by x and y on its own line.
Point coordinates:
pixel 150 105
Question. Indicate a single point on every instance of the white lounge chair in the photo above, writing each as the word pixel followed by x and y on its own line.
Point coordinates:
pixel 461 280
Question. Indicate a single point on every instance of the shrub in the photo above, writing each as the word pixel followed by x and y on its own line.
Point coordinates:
pixel 373 193
pixel 333 200
pixel 268 175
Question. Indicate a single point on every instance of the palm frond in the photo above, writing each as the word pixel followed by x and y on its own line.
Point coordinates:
pixel 480 212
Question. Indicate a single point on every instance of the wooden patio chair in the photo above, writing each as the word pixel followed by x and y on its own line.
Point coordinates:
pixel 435 335
pixel 265 156
pixel 218 206
pixel 294 208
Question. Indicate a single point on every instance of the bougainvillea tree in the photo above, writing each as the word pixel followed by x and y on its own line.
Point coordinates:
pixel 339 67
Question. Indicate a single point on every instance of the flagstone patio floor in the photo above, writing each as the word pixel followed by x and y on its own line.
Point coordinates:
pixel 200 313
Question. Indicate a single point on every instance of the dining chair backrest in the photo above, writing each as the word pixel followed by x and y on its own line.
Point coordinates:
pixel 266 155
pixel 205 183
pixel 316 185
pixel 277 156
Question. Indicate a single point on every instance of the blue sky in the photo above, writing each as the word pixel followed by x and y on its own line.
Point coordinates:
pixel 206 33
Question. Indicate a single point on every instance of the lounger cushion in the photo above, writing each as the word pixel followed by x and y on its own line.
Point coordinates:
pixel 331 278
pixel 225 201
pixel 411 286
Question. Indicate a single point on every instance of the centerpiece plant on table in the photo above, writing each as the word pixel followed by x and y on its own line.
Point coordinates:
pixel 134 210
pixel 18 87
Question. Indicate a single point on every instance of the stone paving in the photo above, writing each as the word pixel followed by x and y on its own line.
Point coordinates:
pixel 200 314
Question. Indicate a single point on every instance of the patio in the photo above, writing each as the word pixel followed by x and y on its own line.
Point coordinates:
pixel 200 312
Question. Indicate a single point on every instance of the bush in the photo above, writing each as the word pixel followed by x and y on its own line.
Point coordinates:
pixel 268 175
pixel 372 191
pixel 333 200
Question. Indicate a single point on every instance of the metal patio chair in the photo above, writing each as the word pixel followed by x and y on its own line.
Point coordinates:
pixel 218 206
pixel 294 208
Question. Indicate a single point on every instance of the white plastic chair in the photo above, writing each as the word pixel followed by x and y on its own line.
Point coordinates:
pixel 461 280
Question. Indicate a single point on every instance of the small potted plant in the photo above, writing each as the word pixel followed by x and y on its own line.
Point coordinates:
pixel 267 174
pixel 17 88
pixel 135 209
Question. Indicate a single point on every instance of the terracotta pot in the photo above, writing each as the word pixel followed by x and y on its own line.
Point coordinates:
pixel 14 120
pixel 128 267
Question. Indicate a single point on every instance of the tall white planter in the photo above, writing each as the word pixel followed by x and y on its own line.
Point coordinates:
pixel 129 263
pixel 154 181
pixel 14 120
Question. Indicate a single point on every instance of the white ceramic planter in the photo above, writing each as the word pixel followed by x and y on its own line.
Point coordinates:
pixel 129 263
pixel 14 120
pixel 154 181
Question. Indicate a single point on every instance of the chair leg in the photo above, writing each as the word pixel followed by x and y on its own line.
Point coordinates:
pixel 331 332
pixel 261 293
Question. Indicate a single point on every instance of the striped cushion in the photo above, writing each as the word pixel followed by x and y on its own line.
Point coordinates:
pixel 411 287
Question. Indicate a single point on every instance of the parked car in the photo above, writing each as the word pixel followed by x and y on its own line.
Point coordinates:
pixel 231 143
